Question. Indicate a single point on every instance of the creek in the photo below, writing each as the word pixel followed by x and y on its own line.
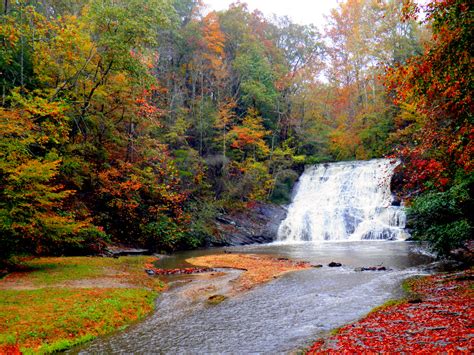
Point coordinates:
pixel 279 317
pixel 341 212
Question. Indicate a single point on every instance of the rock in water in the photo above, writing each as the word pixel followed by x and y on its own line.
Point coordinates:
pixel 216 299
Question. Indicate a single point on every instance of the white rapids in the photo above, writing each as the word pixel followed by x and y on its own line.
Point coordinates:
pixel 344 201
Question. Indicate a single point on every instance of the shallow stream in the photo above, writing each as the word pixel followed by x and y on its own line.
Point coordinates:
pixel 279 317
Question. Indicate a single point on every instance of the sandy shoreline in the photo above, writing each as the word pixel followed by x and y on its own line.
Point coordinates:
pixel 258 269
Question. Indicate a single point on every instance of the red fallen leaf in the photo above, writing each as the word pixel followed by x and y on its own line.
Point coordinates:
pixel 10 349
pixel 186 271
pixel 442 323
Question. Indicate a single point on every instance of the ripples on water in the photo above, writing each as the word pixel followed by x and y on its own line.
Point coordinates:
pixel 280 316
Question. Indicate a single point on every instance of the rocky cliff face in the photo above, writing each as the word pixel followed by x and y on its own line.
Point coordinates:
pixel 256 225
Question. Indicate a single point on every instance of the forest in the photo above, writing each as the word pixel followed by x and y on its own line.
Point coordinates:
pixel 137 122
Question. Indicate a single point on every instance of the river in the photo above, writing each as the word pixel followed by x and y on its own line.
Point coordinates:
pixel 342 212
pixel 279 317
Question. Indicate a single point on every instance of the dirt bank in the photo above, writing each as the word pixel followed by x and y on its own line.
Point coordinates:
pixel 258 269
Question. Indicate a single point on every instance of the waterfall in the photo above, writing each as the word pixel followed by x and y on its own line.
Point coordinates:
pixel 344 201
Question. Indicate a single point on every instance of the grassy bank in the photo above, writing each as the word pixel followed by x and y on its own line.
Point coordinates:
pixel 55 303
pixel 436 317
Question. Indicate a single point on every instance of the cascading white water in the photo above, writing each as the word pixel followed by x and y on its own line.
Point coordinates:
pixel 344 201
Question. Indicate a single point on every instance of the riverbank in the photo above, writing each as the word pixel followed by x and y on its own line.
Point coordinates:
pixel 437 317
pixel 52 304
pixel 191 318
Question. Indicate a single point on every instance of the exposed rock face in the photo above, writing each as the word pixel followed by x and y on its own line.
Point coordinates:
pixel 123 251
pixel 256 225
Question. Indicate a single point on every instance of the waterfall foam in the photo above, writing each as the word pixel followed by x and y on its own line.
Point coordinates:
pixel 344 201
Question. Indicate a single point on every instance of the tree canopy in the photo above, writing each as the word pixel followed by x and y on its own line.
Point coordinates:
pixel 138 121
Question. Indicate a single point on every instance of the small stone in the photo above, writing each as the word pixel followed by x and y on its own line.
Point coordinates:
pixel 216 299
pixel 415 300
pixel 334 264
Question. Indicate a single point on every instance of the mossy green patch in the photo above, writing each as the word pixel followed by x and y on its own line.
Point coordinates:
pixel 387 304
pixel 48 271
pixel 216 299
pixel 408 286
pixel 54 318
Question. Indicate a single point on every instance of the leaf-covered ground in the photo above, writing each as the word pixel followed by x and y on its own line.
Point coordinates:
pixel 258 268
pixel 437 318
pixel 56 303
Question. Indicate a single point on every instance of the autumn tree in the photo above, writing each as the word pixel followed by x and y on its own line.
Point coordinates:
pixel 146 119
pixel 93 102
pixel 303 50
pixel 364 37
pixel 250 178
pixel 435 127
pixel 34 216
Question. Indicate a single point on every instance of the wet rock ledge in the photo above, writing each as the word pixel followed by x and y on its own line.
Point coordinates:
pixel 256 225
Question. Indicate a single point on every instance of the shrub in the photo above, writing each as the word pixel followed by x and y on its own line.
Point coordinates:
pixel 444 218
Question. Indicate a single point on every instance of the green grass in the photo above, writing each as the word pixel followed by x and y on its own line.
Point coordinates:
pixel 387 304
pixel 49 271
pixel 407 285
pixel 60 345
pixel 54 318
pixel 335 331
